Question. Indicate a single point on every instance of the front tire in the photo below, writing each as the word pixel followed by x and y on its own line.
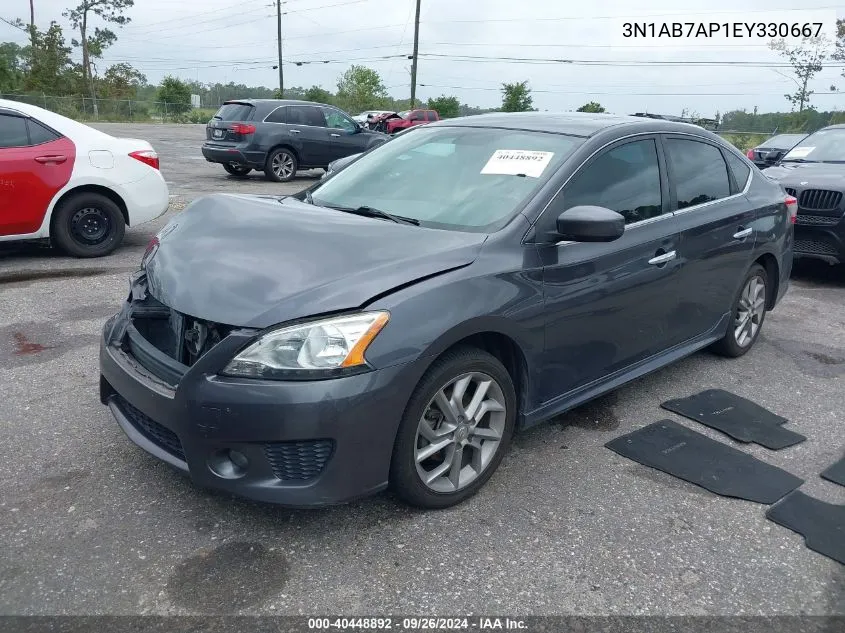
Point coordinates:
pixel 88 225
pixel 238 171
pixel 281 165
pixel 455 431
pixel 749 312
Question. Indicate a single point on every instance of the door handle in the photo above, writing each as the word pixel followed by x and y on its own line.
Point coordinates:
pixel 46 160
pixel 295 132
pixel 334 135
pixel 743 233
pixel 659 260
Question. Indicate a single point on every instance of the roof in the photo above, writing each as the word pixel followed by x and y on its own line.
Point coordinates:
pixel 60 123
pixel 582 124
pixel 274 102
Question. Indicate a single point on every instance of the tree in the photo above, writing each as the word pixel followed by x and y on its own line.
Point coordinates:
pixel 360 88
pixel 121 81
pixel 806 60
pixel 839 52
pixel 174 96
pixel 447 107
pixel 592 106
pixel 318 95
pixel 516 97
pixel 51 69
pixel 11 67
pixel 110 11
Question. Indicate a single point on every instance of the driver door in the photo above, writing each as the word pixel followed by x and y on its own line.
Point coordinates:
pixel 608 306
pixel 345 138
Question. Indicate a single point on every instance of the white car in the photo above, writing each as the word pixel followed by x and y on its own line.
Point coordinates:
pixel 74 185
pixel 362 118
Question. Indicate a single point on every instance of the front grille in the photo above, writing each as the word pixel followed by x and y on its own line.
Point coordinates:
pixel 299 461
pixel 816 220
pixel 815 247
pixel 159 435
pixel 819 199
pixel 790 191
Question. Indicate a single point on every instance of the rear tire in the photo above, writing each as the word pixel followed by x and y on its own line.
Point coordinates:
pixel 238 171
pixel 281 165
pixel 748 313
pixel 479 436
pixel 88 225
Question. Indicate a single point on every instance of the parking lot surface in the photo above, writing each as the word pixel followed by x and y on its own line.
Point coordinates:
pixel 93 525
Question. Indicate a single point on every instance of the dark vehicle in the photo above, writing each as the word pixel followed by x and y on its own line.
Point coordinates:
pixel 282 136
pixel 772 150
pixel 814 172
pixel 396 324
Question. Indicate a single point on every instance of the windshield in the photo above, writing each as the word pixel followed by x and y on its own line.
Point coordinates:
pixel 460 178
pixel 822 146
pixel 783 141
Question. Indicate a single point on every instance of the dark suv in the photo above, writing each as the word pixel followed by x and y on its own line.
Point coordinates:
pixel 280 137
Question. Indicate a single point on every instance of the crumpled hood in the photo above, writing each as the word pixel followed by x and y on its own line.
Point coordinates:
pixel 810 175
pixel 255 261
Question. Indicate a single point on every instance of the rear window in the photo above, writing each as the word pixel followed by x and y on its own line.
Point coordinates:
pixel 39 134
pixel 234 112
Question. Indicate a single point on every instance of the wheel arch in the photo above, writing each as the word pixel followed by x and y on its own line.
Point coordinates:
pixel 287 146
pixel 497 339
pixel 91 188
pixel 770 264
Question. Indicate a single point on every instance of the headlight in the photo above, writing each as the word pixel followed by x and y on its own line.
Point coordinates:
pixel 319 349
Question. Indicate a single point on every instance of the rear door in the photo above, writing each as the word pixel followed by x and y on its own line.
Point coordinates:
pixel 609 305
pixel 344 136
pixel 307 127
pixel 35 164
pixel 717 230
pixel 222 128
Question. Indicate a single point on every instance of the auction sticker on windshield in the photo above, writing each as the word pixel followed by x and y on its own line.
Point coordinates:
pixel 517 162
pixel 799 152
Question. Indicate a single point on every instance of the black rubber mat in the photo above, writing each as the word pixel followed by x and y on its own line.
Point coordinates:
pixel 821 524
pixel 694 457
pixel 836 472
pixel 741 419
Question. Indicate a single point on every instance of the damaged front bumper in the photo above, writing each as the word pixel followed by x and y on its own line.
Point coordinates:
pixel 300 443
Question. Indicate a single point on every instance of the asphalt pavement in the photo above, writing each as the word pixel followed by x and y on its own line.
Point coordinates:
pixel 91 524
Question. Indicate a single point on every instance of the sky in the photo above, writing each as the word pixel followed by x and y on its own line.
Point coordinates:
pixel 225 40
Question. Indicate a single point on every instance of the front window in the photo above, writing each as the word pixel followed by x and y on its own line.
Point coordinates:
pixel 336 120
pixel 824 146
pixel 468 179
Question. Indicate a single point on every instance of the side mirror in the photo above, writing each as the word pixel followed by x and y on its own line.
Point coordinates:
pixel 590 224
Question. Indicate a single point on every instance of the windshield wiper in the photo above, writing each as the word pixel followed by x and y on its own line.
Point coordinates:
pixel 798 160
pixel 371 212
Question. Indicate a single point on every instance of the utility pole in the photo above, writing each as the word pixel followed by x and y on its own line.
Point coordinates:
pixel 279 36
pixel 416 51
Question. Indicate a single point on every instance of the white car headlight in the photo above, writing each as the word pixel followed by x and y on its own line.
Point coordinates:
pixel 324 348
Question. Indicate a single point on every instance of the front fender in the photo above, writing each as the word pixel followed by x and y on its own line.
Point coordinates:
pixel 429 317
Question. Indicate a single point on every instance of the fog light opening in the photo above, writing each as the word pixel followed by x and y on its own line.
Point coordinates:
pixel 228 463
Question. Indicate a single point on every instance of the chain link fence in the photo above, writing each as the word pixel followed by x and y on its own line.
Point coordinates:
pixel 83 108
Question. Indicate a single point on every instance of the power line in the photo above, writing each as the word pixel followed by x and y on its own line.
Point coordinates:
pixel 633 15
pixel 622 94
pixel 620 63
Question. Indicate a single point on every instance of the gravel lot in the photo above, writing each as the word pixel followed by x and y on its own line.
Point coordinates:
pixel 92 525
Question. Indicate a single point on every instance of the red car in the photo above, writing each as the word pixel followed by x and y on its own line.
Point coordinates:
pixel 410 119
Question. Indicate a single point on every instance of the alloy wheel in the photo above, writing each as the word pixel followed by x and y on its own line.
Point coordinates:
pixel 282 165
pixel 750 311
pixel 460 432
